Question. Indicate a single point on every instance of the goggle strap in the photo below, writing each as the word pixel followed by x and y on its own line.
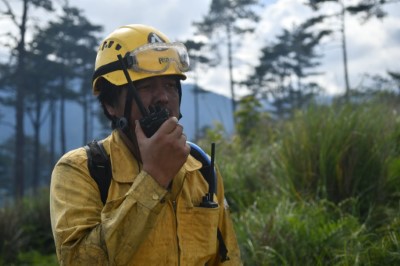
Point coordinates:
pixel 108 68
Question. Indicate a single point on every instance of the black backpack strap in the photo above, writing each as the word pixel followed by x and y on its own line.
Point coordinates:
pixel 99 166
pixel 223 251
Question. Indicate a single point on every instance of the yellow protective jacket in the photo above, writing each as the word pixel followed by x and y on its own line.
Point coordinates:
pixel 141 223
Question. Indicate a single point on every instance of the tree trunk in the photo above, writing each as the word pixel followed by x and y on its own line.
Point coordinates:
pixel 85 107
pixel 230 67
pixel 36 147
pixel 52 110
pixel 92 117
pixel 62 117
pixel 196 111
pixel 344 50
pixel 19 114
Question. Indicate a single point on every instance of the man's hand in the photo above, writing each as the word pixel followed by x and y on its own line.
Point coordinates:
pixel 165 152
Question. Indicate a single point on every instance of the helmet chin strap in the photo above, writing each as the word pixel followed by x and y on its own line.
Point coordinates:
pixel 180 97
pixel 123 126
pixel 123 123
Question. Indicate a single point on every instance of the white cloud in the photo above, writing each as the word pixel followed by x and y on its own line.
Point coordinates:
pixel 173 17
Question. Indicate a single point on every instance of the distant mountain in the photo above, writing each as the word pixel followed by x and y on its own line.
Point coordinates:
pixel 212 108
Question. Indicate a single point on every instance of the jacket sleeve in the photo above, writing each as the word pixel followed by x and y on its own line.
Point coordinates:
pixel 227 229
pixel 85 233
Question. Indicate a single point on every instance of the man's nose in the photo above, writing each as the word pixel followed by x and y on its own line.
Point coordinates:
pixel 160 94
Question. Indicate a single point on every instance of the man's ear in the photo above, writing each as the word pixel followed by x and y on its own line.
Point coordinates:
pixel 111 110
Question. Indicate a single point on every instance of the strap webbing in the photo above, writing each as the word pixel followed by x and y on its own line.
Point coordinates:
pixel 223 251
pixel 110 67
pixel 99 166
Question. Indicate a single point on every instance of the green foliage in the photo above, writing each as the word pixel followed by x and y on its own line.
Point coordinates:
pixel 37 224
pixel 217 134
pixel 245 168
pixel 36 258
pixel 244 174
pixel 223 13
pixel 25 232
pixel 291 237
pixel 337 153
pixel 285 65
pixel 313 233
pixel 12 237
pixel 322 188
pixel 247 117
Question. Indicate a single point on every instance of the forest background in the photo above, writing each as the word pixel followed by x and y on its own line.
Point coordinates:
pixel 311 180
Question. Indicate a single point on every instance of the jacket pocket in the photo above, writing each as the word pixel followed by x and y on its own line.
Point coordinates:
pixel 197 233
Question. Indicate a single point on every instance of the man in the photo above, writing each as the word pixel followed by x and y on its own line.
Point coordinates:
pixel 152 215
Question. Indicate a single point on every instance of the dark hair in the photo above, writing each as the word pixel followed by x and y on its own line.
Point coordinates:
pixel 109 95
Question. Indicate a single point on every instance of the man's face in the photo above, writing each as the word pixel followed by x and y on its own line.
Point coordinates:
pixel 161 91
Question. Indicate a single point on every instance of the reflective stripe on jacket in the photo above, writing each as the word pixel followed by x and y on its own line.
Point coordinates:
pixel 142 223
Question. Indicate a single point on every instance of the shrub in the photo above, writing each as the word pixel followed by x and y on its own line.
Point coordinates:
pixel 25 229
pixel 337 153
pixel 313 233
pixel 12 236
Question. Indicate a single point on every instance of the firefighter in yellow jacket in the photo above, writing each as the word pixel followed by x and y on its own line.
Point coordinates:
pixel 153 213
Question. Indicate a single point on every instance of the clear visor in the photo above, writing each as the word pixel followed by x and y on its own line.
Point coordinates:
pixel 157 57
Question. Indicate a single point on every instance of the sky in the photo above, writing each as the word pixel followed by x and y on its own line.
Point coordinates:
pixel 372 47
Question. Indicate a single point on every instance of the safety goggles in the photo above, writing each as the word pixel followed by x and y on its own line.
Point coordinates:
pixel 157 57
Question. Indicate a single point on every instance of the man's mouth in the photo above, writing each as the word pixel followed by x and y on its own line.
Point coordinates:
pixel 156 108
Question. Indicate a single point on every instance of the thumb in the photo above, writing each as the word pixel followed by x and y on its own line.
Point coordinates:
pixel 139 131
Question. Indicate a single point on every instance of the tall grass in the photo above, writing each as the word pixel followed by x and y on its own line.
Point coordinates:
pixel 320 189
pixel 314 233
pixel 25 232
pixel 337 153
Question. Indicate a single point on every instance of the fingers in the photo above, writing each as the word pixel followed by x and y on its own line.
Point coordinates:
pixel 171 127
pixel 138 130
pixel 187 149
pixel 175 132
pixel 165 152
pixel 182 139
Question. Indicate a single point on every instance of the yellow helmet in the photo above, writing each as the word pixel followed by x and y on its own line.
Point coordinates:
pixel 147 52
